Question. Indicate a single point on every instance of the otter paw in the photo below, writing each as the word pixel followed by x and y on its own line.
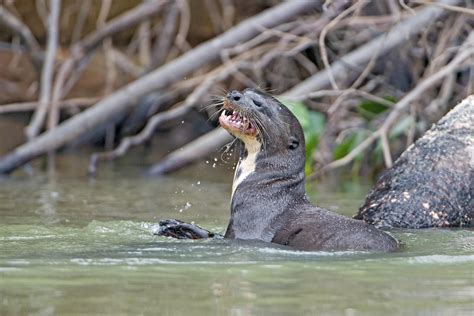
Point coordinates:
pixel 180 230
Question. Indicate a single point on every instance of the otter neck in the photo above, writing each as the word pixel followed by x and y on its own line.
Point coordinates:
pixel 266 185
pixel 247 162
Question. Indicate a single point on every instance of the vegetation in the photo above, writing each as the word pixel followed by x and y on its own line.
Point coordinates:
pixel 313 124
pixel 365 78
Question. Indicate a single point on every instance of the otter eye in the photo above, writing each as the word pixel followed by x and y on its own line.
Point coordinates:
pixel 257 103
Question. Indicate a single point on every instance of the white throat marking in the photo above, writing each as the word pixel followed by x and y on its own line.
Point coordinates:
pixel 247 165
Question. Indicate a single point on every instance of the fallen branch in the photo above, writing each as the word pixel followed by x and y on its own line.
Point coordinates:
pixel 127 97
pixel 339 69
pixel 190 152
pixel 163 117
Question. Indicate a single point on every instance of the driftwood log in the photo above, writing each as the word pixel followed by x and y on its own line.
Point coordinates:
pixel 432 183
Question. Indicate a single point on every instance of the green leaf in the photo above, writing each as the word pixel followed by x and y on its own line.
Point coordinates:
pixel 344 147
pixel 369 109
pixel 350 142
pixel 299 110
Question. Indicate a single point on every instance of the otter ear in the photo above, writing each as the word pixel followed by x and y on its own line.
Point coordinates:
pixel 293 142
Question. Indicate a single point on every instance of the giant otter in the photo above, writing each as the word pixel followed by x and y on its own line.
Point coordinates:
pixel 269 201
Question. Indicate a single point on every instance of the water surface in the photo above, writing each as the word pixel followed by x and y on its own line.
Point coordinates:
pixel 71 245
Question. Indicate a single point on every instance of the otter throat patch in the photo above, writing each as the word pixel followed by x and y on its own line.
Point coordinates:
pixel 247 165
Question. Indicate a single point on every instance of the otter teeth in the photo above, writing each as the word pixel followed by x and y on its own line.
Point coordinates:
pixel 237 119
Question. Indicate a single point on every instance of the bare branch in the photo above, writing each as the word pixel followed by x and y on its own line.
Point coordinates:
pixel 352 61
pixel 347 92
pixel 81 51
pixel 322 37
pixel 163 43
pixel 144 48
pixel 31 106
pixel 447 7
pixel 126 20
pixel 397 35
pixel 81 19
pixel 47 72
pixel 191 101
pixel 183 29
pixel 21 29
pixel 427 83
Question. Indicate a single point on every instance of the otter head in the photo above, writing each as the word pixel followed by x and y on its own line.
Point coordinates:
pixel 270 173
pixel 261 122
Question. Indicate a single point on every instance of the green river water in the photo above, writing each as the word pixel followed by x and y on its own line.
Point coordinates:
pixel 70 245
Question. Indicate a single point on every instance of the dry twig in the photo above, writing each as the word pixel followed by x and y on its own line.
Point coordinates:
pixel 322 37
pixel 383 130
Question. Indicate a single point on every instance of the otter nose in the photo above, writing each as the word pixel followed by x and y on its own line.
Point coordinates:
pixel 234 95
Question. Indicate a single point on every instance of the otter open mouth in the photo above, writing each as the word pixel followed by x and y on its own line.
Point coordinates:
pixel 235 122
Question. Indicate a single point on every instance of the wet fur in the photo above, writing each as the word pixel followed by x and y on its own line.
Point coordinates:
pixel 270 202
